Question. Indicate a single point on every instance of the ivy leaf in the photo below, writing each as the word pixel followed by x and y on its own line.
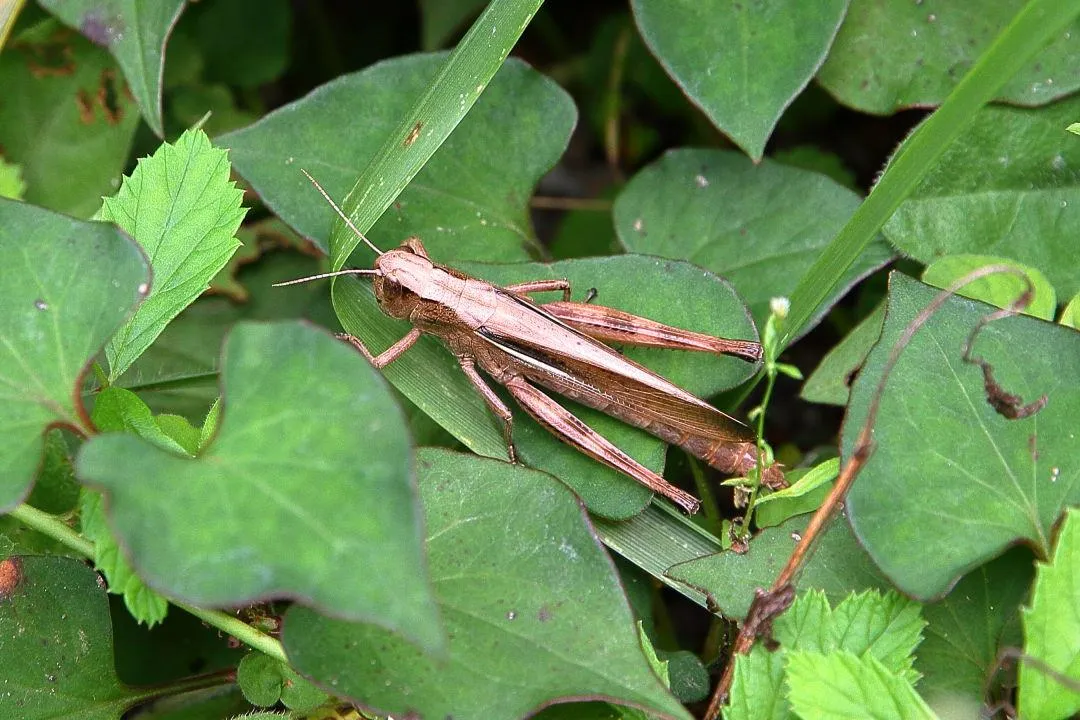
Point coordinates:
pixel 945 458
pixel 183 210
pixel 273 487
pixel 65 286
pixel 56 647
pixel 518 574
pixel 1051 627
pixel 742 63
pixel 135 33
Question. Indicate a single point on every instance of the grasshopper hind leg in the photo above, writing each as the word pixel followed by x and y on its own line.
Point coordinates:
pixel 497 406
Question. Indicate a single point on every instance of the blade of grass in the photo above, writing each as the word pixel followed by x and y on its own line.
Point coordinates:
pixel 1029 32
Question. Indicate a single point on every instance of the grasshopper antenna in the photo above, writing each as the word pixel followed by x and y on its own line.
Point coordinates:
pixel 320 276
pixel 342 215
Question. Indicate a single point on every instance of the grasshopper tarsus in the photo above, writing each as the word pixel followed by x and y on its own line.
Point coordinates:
pixel 388 355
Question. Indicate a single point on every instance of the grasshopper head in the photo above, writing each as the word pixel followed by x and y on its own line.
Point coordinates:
pixel 402 276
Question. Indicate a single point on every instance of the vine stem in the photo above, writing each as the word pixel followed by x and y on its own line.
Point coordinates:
pixel 58 530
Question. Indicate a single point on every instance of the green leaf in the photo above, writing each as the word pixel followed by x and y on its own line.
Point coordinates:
pixel 145 605
pixel 56 652
pixel 819 476
pixel 831 382
pixel 12 184
pixel 950 478
pixel 757 690
pixel 56 491
pixel 660 667
pixel 838 566
pixel 1004 188
pixel 741 63
pixel 968 628
pixel 688 679
pixel 278 476
pixel 843 685
pixel 1000 289
pixel 517 574
pixel 889 627
pixel 1070 316
pixel 135 33
pixel 183 210
pixel 65 286
pixel 66 118
pixel 120 410
pixel 244 43
pixel 890 56
pixel 470 201
pixel 180 431
pixel 760 226
pixel 679 294
pixel 1052 630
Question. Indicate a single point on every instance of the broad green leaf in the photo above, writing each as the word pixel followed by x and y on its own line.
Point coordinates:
pixel 265 681
pixel 838 566
pixel 1052 630
pixel 1007 187
pixel 757 690
pixel 741 63
pixel 967 629
pixel 440 19
pixel 244 43
pixel 688 679
pixel 531 605
pixel 65 286
pixel 844 685
pixel 1000 289
pixel 760 226
pixel 12 184
pixel 470 201
pixel 56 647
pixel 280 476
pixel 950 478
pixel 56 491
pixel 890 56
pixel 831 382
pixel 66 118
pixel 183 210
pixel 135 33
pixel 677 293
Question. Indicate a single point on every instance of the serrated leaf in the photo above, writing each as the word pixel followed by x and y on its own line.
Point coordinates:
pixel 65 286
pixel 831 382
pixel 56 647
pixel 66 118
pixel 945 458
pixel 742 63
pixel 999 289
pixel 757 690
pixel 1008 186
pixel 759 226
pixel 1052 630
pixel 277 476
pixel 135 33
pixel 838 565
pixel 517 574
pixel 145 605
pixel 843 685
pixel 680 294
pixel 889 627
pixel 471 199
pixel 967 629
pixel 183 210
pixel 889 56
pixel 120 410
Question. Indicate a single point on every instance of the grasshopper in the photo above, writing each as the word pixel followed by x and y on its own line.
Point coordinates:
pixel 559 346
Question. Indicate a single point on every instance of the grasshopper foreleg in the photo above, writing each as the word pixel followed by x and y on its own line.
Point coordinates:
pixel 497 406
pixel 568 428
pixel 388 355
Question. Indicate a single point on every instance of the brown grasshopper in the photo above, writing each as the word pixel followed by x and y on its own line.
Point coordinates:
pixel 524 346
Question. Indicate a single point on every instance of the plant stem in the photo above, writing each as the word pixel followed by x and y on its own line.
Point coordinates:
pixel 770 381
pixel 60 531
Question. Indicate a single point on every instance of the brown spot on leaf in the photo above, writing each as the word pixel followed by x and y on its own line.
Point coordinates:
pixel 51 58
pixel 86 107
pixel 1033 447
pixel 106 96
pixel 544 614
pixel 10 576
pixel 1006 404
pixel 413 134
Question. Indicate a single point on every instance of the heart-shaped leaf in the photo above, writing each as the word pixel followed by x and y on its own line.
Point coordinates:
pixel 66 118
pixel 893 55
pixel 183 210
pixel 135 33
pixel 65 286
pixel 760 226
pixel 56 649
pixel 471 199
pixel 313 505
pixel 742 63
pixel 1009 186
pixel 950 477
pixel 675 293
pixel 518 574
